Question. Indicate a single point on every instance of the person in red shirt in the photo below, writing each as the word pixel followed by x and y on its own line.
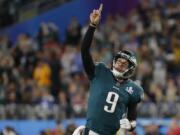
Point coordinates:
pixel 174 128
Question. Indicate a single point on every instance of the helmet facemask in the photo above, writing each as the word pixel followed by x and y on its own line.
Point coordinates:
pixel 131 68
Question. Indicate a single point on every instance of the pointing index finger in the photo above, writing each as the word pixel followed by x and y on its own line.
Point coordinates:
pixel 100 7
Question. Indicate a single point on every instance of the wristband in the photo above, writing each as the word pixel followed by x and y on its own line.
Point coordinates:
pixel 93 25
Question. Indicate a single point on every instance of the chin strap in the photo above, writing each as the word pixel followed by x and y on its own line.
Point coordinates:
pixel 116 73
pixel 121 75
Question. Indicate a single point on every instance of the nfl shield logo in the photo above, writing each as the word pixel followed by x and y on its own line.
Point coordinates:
pixel 129 90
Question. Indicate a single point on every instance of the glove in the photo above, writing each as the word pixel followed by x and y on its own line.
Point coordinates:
pixel 79 130
pixel 126 124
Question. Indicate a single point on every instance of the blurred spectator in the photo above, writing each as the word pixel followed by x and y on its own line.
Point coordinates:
pixel 47 32
pixel 152 129
pixel 42 74
pixel 174 128
pixel 58 130
pixel 171 91
pixel 67 59
pixel 64 106
pixel 176 45
pixel 9 131
pixel 56 67
pixel 5 44
pixel 16 10
pixel 70 129
pixel 73 33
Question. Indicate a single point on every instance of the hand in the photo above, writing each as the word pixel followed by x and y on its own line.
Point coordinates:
pixel 95 16
pixel 125 124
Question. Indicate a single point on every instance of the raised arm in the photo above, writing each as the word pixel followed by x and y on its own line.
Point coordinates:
pixel 87 60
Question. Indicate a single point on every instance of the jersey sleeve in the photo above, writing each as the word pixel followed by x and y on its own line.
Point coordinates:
pixel 137 95
pixel 87 60
pixel 99 67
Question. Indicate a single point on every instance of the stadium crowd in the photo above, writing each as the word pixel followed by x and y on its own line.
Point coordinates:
pixel 18 10
pixel 42 77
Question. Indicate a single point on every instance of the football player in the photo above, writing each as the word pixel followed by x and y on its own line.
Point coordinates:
pixel 113 96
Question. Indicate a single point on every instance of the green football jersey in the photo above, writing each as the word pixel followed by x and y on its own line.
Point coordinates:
pixel 108 101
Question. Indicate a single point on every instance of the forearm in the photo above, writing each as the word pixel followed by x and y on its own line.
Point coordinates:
pixel 129 123
pixel 132 112
pixel 85 52
pixel 132 115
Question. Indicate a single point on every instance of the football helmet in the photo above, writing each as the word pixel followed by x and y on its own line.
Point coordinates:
pixel 130 57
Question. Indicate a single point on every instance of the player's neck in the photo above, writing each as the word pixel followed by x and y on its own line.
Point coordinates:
pixel 121 80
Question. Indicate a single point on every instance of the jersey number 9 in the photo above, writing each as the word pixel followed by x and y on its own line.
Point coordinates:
pixel 111 99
